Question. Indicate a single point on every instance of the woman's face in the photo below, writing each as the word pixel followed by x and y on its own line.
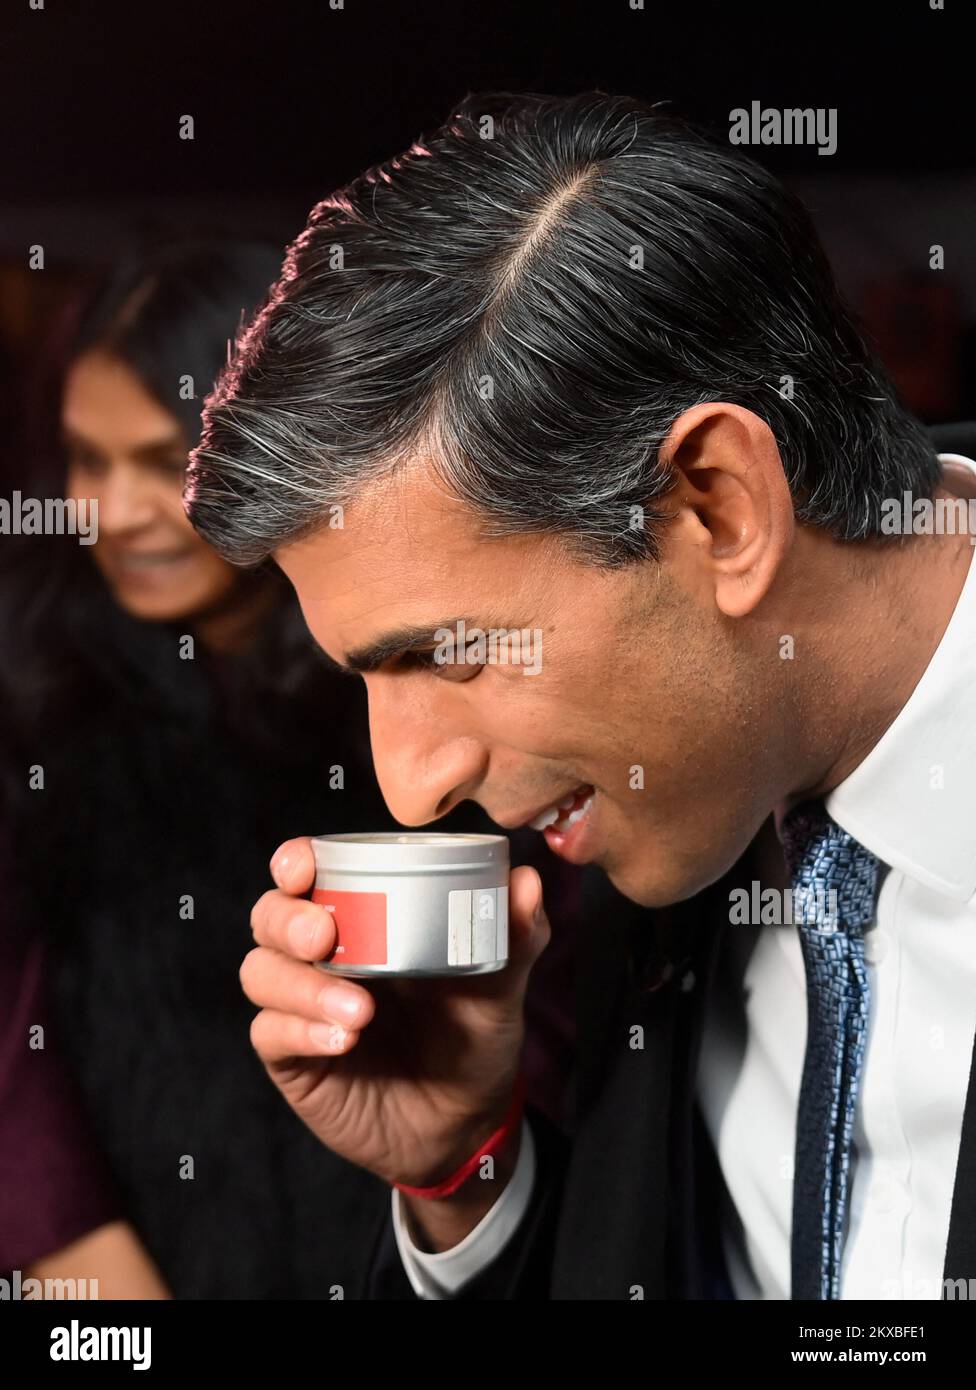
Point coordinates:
pixel 125 450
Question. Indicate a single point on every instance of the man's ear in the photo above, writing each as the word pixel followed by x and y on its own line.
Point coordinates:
pixel 732 500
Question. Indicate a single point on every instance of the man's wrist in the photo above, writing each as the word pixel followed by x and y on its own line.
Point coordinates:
pixel 476 1156
pixel 437 1224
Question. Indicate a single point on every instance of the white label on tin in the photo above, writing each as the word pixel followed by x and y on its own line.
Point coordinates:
pixel 484 929
pixel 459 926
pixel 477 931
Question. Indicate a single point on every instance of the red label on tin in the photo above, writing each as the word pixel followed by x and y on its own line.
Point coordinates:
pixel 360 920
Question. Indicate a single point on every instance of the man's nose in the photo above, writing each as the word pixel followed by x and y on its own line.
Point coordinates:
pixel 426 762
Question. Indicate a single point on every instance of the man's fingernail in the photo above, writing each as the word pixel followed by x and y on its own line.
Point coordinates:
pixel 331 1002
pixel 279 861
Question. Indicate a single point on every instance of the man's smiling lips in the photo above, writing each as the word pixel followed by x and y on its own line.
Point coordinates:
pixel 559 815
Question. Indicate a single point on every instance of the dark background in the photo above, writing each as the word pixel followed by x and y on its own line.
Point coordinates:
pixel 290 99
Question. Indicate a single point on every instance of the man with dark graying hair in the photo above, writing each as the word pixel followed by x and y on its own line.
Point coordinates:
pixel 569 367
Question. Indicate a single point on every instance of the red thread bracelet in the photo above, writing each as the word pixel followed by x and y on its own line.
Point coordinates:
pixel 494 1141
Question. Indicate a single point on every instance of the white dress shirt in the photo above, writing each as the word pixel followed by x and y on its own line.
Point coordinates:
pixel 911 802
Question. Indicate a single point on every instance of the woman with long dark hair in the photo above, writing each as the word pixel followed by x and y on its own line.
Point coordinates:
pixel 169 723
pixel 166 721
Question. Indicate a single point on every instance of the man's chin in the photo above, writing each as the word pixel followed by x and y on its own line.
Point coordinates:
pixel 651 888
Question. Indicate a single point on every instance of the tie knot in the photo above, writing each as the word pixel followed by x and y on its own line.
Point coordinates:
pixel 834 877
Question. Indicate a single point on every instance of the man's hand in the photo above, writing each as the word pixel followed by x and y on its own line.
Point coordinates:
pixel 405 1078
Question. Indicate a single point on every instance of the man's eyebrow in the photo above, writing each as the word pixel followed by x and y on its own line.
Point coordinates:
pixel 402 640
pixel 395 643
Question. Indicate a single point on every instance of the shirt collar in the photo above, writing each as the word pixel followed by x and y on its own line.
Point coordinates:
pixel 910 801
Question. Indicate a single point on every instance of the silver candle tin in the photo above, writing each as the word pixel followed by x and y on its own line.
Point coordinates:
pixel 414 903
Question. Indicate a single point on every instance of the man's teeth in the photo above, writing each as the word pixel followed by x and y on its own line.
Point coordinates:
pixel 556 813
pixel 578 814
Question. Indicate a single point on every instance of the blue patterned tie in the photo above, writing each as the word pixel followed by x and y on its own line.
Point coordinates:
pixel 835 883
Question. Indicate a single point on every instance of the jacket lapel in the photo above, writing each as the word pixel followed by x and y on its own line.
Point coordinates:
pixel 627 1224
pixel 960 1260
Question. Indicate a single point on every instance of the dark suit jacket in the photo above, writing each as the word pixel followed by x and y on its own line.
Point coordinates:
pixel 627 1206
